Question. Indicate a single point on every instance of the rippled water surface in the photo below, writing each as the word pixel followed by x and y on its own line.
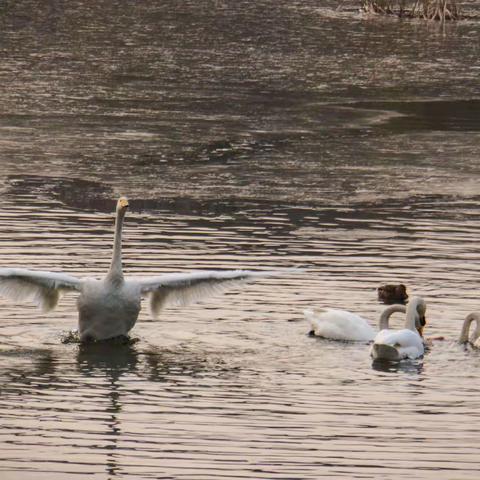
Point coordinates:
pixel 247 135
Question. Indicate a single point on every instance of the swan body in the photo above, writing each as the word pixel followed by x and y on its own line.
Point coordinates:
pixel 107 310
pixel 397 345
pixel 465 336
pixel 110 307
pixel 336 324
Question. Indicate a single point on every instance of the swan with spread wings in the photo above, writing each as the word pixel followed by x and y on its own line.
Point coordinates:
pixel 109 307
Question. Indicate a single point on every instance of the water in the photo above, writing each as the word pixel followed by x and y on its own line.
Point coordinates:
pixel 246 135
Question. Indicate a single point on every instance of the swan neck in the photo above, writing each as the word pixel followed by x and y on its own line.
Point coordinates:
pixel 116 271
pixel 387 313
pixel 412 316
pixel 464 334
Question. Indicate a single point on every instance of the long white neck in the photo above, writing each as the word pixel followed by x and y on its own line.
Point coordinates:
pixel 471 317
pixel 388 312
pixel 413 317
pixel 116 272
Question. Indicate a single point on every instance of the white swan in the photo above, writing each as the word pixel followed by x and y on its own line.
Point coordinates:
pixel 109 307
pixel 406 343
pixel 465 337
pixel 336 324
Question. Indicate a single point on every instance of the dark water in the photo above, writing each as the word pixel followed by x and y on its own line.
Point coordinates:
pixel 246 134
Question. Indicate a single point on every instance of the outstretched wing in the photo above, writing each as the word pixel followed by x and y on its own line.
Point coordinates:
pixel 185 288
pixel 42 288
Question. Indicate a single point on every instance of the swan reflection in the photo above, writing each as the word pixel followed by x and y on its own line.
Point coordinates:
pixel 404 366
pixel 90 387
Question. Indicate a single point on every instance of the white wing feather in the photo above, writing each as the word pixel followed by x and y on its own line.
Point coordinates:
pixel 185 288
pixel 42 288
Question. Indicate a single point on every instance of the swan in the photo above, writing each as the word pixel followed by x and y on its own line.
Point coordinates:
pixel 109 307
pixel 336 324
pixel 406 343
pixel 474 340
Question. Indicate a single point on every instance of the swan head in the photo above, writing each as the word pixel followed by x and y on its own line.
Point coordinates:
pixel 420 324
pixel 122 204
pixel 421 308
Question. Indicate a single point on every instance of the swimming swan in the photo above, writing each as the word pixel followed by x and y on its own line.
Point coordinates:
pixel 109 307
pixel 336 324
pixel 465 337
pixel 406 343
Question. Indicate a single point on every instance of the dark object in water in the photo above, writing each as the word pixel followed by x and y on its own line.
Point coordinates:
pixel 73 337
pixel 427 9
pixel 381 352
pixel 390 294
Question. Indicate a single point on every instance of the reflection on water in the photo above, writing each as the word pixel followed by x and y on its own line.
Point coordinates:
pixel 97 378
pixel 111 358
pixel 403 366
pixel 246 134
pixel 453 115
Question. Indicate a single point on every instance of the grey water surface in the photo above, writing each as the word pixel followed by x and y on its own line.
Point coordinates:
pixel 247 134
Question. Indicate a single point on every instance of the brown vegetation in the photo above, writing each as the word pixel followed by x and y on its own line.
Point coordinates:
pixel 427 9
